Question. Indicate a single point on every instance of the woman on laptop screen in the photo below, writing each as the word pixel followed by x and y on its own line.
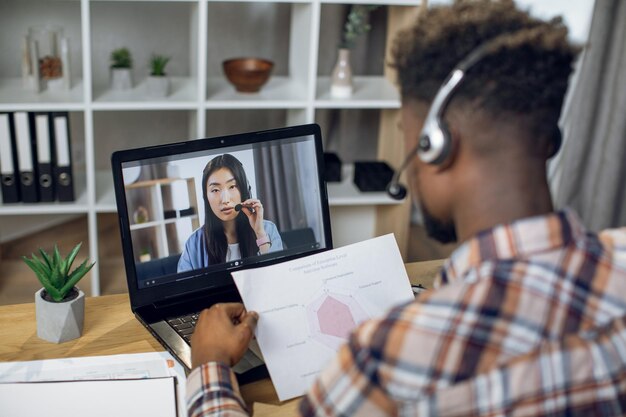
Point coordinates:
pixel 234 227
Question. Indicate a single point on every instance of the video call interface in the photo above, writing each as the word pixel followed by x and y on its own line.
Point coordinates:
pixel 194 213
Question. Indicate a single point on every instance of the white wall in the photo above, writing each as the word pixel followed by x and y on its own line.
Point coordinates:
pixel 576 13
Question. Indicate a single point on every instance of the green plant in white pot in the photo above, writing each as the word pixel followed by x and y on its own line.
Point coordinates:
pixel 121 66
pixel 158 81
pixel 59 305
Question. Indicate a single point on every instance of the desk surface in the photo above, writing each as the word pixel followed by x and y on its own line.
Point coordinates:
pixel 110 328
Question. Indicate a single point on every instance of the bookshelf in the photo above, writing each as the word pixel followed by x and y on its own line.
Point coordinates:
pixel 157 226
pixel 300 36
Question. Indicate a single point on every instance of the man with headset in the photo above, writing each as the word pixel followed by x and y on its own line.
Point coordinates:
pixel 527 315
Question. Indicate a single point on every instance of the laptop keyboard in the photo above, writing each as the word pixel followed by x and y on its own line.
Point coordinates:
pixel 184 325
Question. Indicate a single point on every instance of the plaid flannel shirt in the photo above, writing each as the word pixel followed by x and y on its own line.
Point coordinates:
pixel 516 308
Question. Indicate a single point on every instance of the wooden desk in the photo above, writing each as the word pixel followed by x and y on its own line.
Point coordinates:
pixel 110 329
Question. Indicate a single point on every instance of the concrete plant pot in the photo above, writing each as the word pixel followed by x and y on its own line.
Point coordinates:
pixel 62 321
pixel 121 79
pixel 158 86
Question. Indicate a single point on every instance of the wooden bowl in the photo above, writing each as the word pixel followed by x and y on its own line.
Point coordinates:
pixel 247 74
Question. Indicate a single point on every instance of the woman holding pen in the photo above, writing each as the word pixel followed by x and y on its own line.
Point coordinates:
pixel 234 227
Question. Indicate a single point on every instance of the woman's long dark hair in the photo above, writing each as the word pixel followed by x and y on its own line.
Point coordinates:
pixel 214 236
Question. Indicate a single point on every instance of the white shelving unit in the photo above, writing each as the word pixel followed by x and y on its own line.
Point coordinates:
pixel 103 120
pixel 157 222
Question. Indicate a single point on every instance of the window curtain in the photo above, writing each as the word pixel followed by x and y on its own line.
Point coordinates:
pixel 589 174
pixel 278 179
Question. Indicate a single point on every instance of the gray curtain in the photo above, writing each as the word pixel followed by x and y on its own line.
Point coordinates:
pixel 276 170
pixel 590 174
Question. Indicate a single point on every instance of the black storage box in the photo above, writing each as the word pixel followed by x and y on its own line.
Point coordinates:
pixel 332 167
pixel 169 214
pixel 187 212
pixel 372 176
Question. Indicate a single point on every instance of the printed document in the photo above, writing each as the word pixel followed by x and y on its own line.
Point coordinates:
pixel 307 307
pixel 134 384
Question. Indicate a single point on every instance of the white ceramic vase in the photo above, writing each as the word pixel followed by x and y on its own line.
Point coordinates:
pixel 158 86
pixel 62 321
pixel 341 79
pixel 121 79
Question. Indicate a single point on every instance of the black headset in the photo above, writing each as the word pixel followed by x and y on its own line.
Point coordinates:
pixel 435 143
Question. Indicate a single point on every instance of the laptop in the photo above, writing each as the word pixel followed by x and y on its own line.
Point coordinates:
pixel 175 204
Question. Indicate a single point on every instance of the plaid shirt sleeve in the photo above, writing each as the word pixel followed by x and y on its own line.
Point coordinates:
pixel 212 390
pixel 350 384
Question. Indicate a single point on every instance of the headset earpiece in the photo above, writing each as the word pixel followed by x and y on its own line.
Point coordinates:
pixel 434 144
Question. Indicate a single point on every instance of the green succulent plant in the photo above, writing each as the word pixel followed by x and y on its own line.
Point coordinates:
pixel 356 24
pixel 121 58
pixel 157 64
pixel 54 272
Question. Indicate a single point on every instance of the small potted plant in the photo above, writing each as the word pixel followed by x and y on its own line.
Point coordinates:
pixel 158 81
pixel 356 25
pixel 59 305
pixel 121 65
pixel 144 255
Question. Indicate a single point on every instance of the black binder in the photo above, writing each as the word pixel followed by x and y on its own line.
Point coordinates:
pixel 63 177
pixel 8 160
pixel 25 157
pixel 42 129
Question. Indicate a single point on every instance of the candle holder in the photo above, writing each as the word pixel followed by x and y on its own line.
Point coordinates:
pixel 45 59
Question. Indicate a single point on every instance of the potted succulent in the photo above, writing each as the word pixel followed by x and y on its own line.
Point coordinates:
pixel 121 64
pixel 59 305
pixel 355 26
pixel 158 81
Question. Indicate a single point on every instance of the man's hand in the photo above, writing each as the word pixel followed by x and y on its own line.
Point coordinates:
pixel 222 334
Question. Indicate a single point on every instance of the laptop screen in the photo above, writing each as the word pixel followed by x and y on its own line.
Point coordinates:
pixel 196 209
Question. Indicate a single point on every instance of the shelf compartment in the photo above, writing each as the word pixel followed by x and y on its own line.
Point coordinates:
pixel 81 202
pixel 227 122
pixel 260 1
pixel 16 17
pixel 105 194
pixel 350 133
pixel 158 234
pixel 117 130
pixel 345 193
pixel 80 205
pixel 145 28
pixel 375 92
pixel 378 2
pixel 276 31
